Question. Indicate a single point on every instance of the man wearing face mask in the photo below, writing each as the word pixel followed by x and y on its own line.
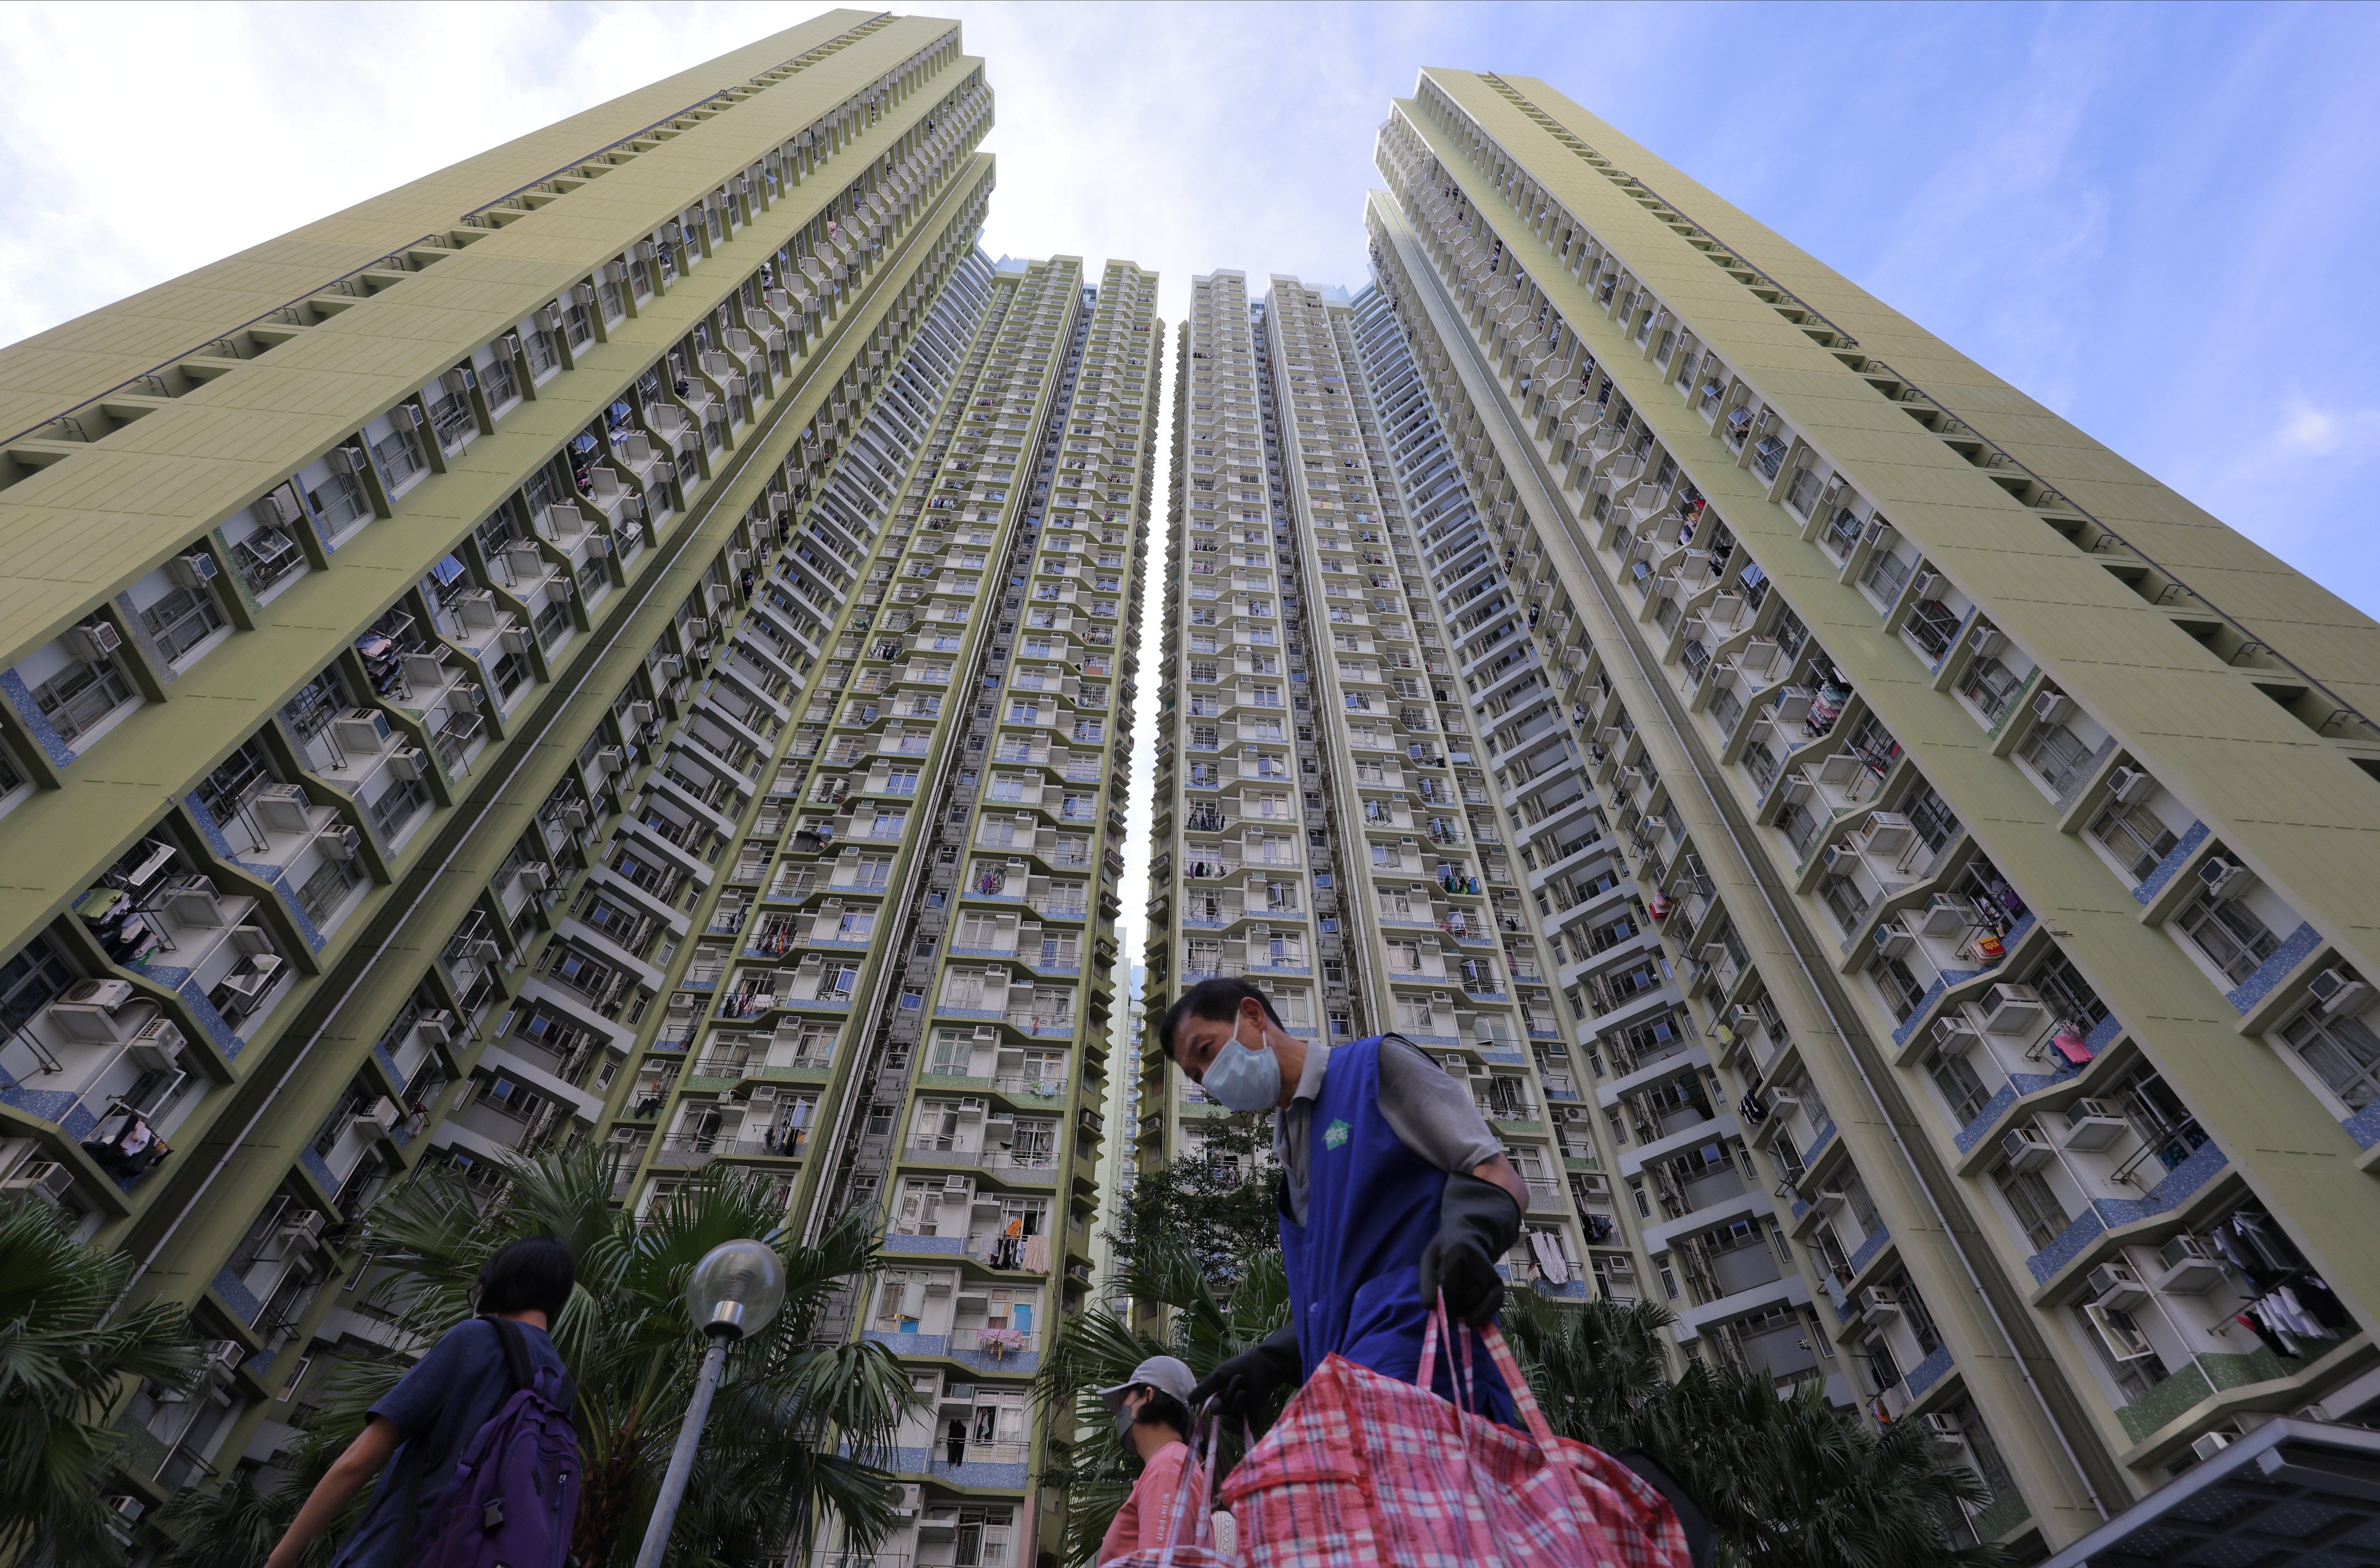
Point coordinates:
pixel 1392 1190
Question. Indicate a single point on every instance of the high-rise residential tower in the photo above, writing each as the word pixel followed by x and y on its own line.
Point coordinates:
pixel 565 650
pixel 2006 822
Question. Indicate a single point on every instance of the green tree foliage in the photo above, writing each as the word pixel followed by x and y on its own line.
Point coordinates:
pixel 67 1353
pixel 1787 1481
pixel 1212 1210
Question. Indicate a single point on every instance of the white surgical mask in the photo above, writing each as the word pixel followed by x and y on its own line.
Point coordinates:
pixel 1243 1078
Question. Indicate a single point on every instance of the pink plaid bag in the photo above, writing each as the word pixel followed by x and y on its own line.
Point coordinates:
pixel 1362 1470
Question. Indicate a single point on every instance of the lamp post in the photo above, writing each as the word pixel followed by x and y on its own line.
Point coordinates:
pixel 735 1291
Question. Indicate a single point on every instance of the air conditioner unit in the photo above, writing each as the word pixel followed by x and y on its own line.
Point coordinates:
pixel 93 642
pixel 1893 939
pixel 2115 1287
pixel 1953 1036
pixel 155 1046
pixel 640 715
pixel 1879 534
pixel 610 760
pixel 1925 584
pixel 2051 708
pixel 549 316
pixel 350 460
pixel 2337 990
pixel 225 1354
pixel 405 417
pixel 362 729
pixel 193 902
pixel 1595 1186
pixel 2190 1267
pixel 45 1180
pixel 599 544
pixel 955 1183
pixel 514 640
pixel 1619 1266
pixel 2125 782
pixel 1879 1301
pixel 2025 1148
pixel 437 1026
pixel 697 629
pixel 2010 1009
pixel 108 995
pixel 536 877
pixel 511 345
pixel 1986 641
pixel 2217 877
pixel 739 560
pixel 573 817
pixel 194 570
pixel 405 763
pixel 1841 857
pixel 1830 1202
pixel 1946 1427
pixel 764 1094
pixel 972 1107
pixel 1944 916
pixel 1889 833
pixel 2206 1445
pixel 666 667
pixel 339 841
pixel 2093 1123
pixel 283 808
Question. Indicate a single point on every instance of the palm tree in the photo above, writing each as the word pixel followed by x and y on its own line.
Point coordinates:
pixel 1787 1481
pixel 66 1353
pixel 1099 1350
pixel 796 1428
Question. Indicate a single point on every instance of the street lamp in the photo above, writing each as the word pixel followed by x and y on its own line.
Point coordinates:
pixel 735 1291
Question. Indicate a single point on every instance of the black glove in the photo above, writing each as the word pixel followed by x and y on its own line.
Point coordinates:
pixel 1477 1222
pixel 1243 1387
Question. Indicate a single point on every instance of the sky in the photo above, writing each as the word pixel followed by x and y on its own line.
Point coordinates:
pixel 2153 218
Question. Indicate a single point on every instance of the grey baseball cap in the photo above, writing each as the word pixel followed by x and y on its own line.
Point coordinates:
pixel 1167 1374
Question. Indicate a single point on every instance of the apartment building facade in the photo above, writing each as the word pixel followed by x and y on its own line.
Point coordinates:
pixel 508 657
pixel 1323 818
pixel 1947 754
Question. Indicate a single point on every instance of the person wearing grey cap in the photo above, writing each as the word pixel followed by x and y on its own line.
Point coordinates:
pixel 1152 1417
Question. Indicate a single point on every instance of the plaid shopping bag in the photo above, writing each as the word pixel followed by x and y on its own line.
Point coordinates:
pixel 1362 1470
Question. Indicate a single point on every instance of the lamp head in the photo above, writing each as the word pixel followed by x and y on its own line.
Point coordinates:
pixel 737 1289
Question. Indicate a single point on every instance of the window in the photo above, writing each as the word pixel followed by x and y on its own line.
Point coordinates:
pixel 2058 755
pixel 2038 1212
pixel 77 697
pixel 2234 938
pixel 181 621
pixel 1930 815
pixel 2342 1051
pixel 1989 684
pixel 1962 1090
pixel 2134 836
pixel 1901 989
pixel 29 981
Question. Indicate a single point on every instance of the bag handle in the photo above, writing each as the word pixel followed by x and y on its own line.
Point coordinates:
pixel 1201 1532
pixel 1523 1399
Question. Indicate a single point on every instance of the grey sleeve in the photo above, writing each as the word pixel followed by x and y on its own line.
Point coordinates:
pixel 1434 1114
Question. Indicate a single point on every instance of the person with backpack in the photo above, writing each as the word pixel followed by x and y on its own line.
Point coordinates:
pixel 485 1460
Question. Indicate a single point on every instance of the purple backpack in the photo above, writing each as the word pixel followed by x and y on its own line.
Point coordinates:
pixel 516 1493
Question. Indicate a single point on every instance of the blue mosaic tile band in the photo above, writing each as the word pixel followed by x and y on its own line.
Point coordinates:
pixel 1818 1145
pixel 929 1462
pixel 1869 1248
pixel 2173 862
pixel 910 1343
pixel 36 723
pixel 320 1169
pixel 1993 1109
pixel 2364 1125
pixel 941 1244
pixel 1928 1373
pixel 2180 1184
pixel 60 1107
pixel 2273 971
pixel 237 1296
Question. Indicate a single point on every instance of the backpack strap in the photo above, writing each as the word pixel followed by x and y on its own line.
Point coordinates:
pixel 524 1371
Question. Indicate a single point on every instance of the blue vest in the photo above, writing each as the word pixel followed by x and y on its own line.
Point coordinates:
pixel 1371 1209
